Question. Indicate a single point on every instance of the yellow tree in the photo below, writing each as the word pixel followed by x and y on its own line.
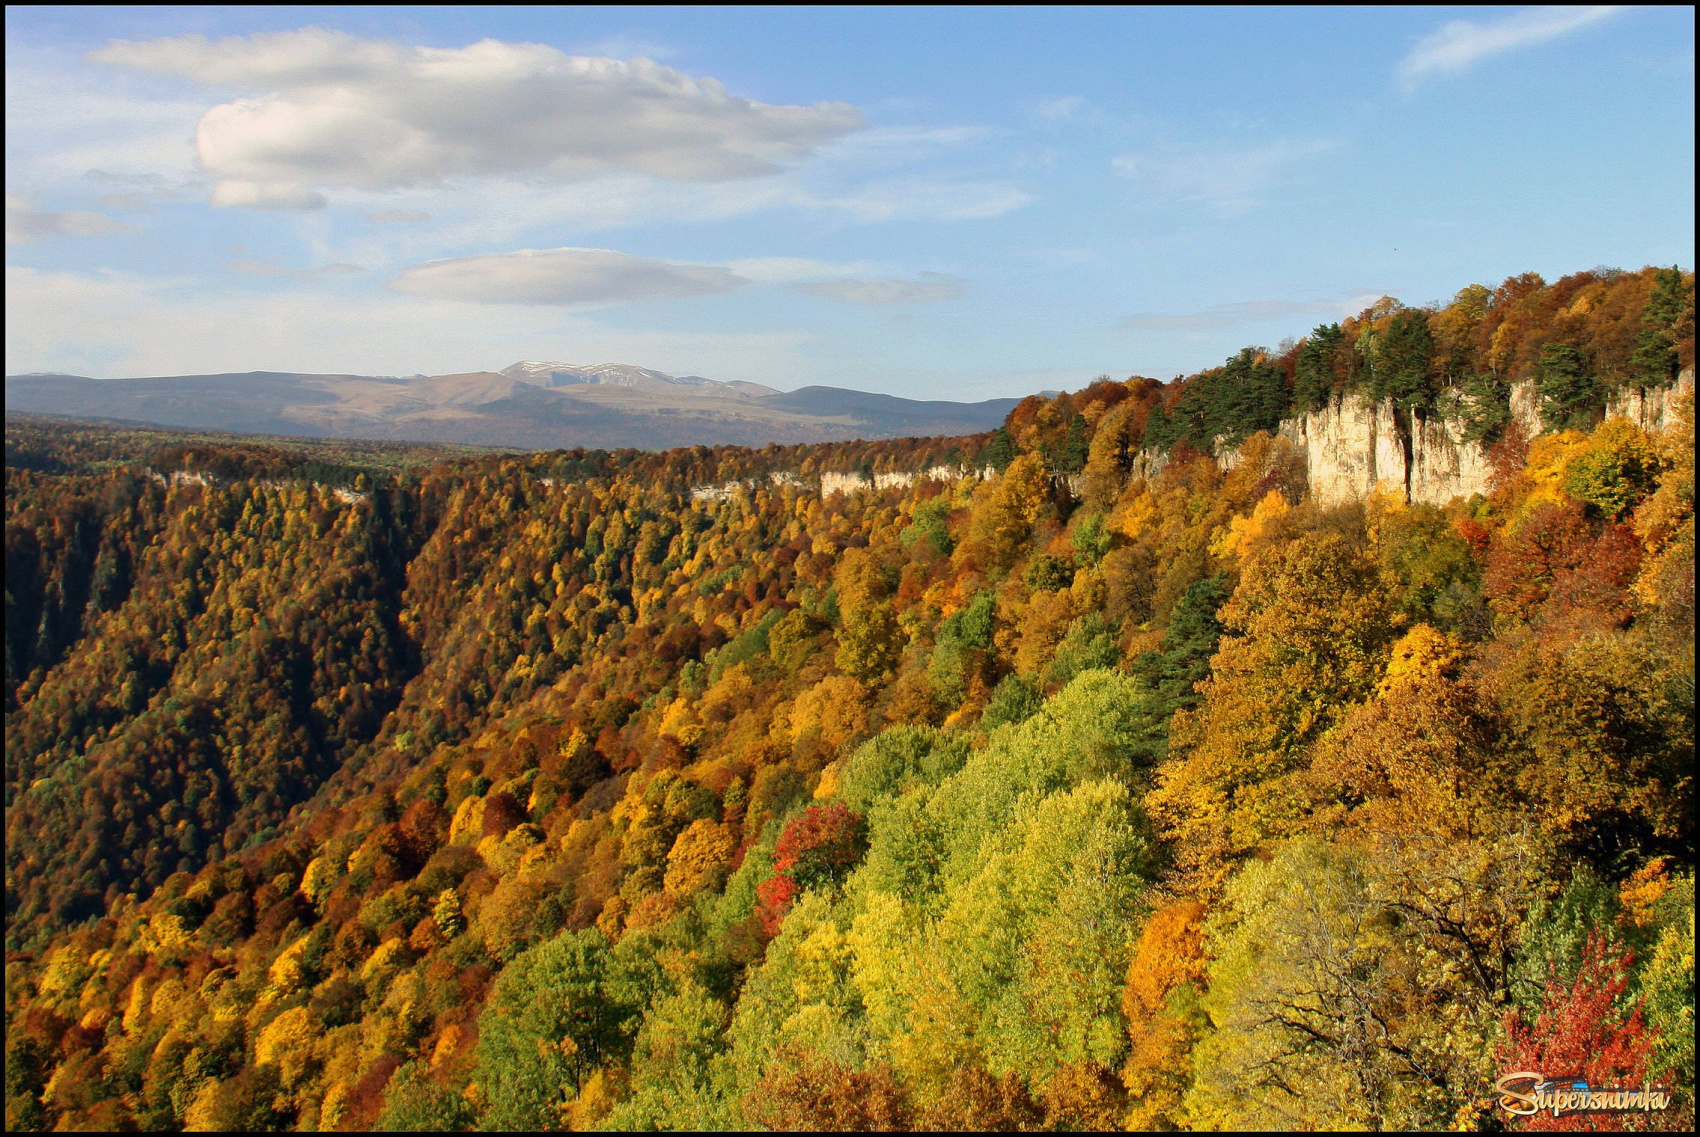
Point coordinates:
pixel 1310 625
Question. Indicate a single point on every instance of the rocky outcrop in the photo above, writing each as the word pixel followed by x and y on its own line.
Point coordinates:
pixel 1355 447
pixel 1656 409
pixel 1443 465
pixel 1351 449
pixel 1148 464
pixel 831 483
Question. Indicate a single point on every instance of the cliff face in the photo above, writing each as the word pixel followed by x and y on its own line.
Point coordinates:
pixel 1353 447
pixel 1653 410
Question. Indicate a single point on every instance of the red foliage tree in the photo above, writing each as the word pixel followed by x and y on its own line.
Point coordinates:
pixel 773 899
pixel 1527 556
pixel 1582 1032
pixel 821 845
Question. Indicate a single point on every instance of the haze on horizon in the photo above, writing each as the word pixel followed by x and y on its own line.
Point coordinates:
pixel 928 203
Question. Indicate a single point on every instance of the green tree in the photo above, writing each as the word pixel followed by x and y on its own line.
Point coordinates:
pixel 555 1015
pixel 1655 361
pixel 1404 362
pixel 414 1103
pixel 1571 396
pixel 1001 451
pixel 1314 370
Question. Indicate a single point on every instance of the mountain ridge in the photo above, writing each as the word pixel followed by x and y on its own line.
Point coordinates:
pixel 529 404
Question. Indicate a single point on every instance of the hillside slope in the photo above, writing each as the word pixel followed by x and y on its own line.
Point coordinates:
pixel 1026 781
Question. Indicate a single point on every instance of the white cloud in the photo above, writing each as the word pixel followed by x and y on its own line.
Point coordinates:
pixel 260 268
pixel 397 216
pixel 933 286
pixel 565 277
pixel 791 270
pixel 1230 178
pixel 64 119
pixel 120 324
pixel 334 111
pixel 1248 312
pixel 25 224
pixel 260 195
pixel 1461 44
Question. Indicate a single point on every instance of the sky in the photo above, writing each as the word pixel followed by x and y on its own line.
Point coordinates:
pixel 937 203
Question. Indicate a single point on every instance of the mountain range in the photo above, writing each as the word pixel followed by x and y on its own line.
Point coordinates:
pixel 530 405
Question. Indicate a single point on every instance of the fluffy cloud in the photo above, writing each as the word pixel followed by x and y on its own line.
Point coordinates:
pixel 1461 44
pixel 932 286
pixel 25 224
pixel 331 110
pixel 1248 312
pixel 565 277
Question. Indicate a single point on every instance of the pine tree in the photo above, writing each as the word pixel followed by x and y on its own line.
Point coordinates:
pixel 1571 397
pixel 1313 374
pixel 1655 361
pixel 1001 451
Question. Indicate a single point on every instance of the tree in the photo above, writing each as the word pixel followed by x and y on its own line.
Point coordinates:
pixel 1585 1028
pixel 1314 372
pixel 1001 451
pixel 554 1016
pixel 1329 1008
pixel 1310 625
pixel 1071 458
pixel 803 1092
pixel 1404 362
pixel 869 638
pixel 1616 471
pixel 1571 397
pixel 1656 360
pixel 1159 1005
pixel 820 846
pixel 414 1103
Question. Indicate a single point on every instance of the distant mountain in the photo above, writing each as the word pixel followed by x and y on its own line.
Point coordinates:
pixel 623 375
pixel 529 405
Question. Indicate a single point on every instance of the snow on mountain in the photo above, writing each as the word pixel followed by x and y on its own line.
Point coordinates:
pixel 555 374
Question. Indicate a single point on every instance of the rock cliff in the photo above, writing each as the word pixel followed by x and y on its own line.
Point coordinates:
pixel 1354 447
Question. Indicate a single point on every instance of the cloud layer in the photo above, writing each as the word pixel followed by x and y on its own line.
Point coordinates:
pixel 112 323
pixel 1231 178
pixel 1462 44
pixel 25 224
pixel 564 277
pixel 933 286
pixel 261 268
pixel 1246 312
pixel 333 110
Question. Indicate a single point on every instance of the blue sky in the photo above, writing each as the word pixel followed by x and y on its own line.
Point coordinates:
pixel 937 203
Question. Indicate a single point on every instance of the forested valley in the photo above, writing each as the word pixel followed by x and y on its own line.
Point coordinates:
pixel 355 787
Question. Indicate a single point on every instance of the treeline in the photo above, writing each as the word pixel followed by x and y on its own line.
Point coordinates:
pixel 529 792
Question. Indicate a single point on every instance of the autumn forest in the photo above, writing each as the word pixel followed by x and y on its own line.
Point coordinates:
pixel 1091 773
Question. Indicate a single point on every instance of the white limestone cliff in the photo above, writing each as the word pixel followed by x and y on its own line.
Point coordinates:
pixel 1352 447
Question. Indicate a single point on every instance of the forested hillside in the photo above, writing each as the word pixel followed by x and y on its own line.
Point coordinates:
pixel 360 788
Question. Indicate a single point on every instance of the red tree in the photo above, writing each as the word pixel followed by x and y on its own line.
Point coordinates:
pixel 1582 1032
pixel 820 845
pixel 773 899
